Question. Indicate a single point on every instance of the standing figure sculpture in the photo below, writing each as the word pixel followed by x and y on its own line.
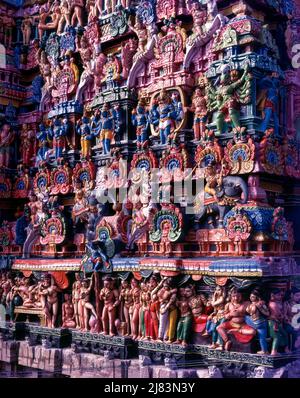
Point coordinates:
pixel 276 325
pixel 199 107
pixel 107 128
pixel 257 319
pixel 218 302
pixel 268 101
pixel 85 303
pixel 84 130
pixel 76 299
pixel 163 116
pixel 167 311
pixel 110 297
pixel 48 293
pixel 145 317
pixel 126 302
pixel 291 311
pixel 185 322
pixel 59 132
pixel 135 308
pixel 43 143
pixel 140 120
pixel 6 139
pixel 27 141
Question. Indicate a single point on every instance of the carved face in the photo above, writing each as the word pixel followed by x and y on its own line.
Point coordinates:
pixel 134 283
pixel 106 284
pixel 188 292
pixel 296 297
pixel 236 297
pixel 253 297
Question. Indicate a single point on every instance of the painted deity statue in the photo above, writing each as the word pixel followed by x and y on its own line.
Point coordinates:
pixel 49 296
pixel 68 313
pixel 184 326
pixel 76 10
pixel 140 120
pixel 107 126
pixel 232 92
pixel 76 299
pixel 257 319
pixel 145 316
pixel 126 303
pixel 276 322
pixel 37 217
pixel 135 308
pixel 85 304
pixel 154 308
pixel 164 116
pixel 81 204
pixel 6 139
pixel 167 310
pixel 218 302
pixel 26 28
pixel 59 133
pixel 27 139
pixel 199 108
pixel 110 297
pixel 83 128
pixel 235 322
pixel 268 101
pixel 43 144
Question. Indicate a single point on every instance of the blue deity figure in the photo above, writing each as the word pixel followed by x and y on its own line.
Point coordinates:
pixel 95 124
pixel 43 138
pixel 83 128
pixel 59 132
pixel 164 115
pixel 268 102
pixel 106 128
pixel 140 119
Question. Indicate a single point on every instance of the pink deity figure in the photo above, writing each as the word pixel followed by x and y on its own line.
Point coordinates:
pixel 68 314
pixel 126 303
pixel 110 297
pixel 27 144
pixel 199 108
pixel 199 16
pixel 144 316
pixel 26 28
pixel 234 315
pixel 8 23
pixel 141 31
pixel 49 299
pixel 76 300
pixel 154 308
pixel 6 139
pixel 54 11
pixel 135 308
pixel 65 19
pixel 76 7
pixel 85 304
pixel 165 244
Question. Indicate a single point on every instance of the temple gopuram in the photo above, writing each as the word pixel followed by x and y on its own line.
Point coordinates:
pixel 150 188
